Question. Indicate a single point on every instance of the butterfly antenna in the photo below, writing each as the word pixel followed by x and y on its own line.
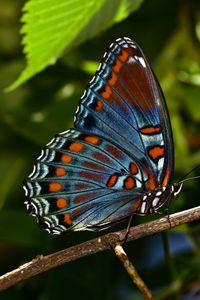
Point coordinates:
pixel 187 174
pixel 190 178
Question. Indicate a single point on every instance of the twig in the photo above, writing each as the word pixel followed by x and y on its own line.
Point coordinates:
pixel 43 263
pixel 127 264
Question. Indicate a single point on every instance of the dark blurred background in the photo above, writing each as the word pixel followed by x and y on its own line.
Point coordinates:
pixel 169 34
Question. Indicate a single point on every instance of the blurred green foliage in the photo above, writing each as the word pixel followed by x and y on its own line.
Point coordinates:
pixel 169 34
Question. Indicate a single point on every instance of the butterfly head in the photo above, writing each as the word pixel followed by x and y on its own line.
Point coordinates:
pixel 176 189
pixel 154 200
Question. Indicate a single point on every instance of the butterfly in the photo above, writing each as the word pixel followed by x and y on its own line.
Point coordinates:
pixel 117 161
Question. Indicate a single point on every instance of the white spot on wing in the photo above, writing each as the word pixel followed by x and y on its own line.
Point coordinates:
pixel 127 39
pixel 64 132
pixel 83 94
pixel 35 213
pixel 92 80
pixel 41 155
pixel 99 67
pixel 161 163
pixel 54 231
pixel 47 223
pixel 105 54
pixel 33 172
pixel 142 61
pixel 51 142
pixel 138 183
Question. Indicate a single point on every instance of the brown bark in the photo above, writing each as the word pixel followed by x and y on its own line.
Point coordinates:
pixel 43 263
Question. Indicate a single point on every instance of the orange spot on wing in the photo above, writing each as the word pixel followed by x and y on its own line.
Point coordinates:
pixel 92 139
pixel 151 184
pixel 117 66
pixel 55 187
pixel 129 183
pixel 133 168
pixel 112 180
pixel 112 79
pixel 156 152
pixel 98 105
pixel 60 172
pixel 150 129
pixel 66 158
pixel 76 147
pixel 123 56
pixel 107 92
pixel 67 219
pixel 167 177
pixel 61 202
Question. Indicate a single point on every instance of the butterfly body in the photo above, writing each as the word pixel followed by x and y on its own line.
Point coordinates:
pixel 118 159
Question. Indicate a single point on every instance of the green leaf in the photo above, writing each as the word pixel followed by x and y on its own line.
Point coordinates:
pixel 126 7
pixel 51 26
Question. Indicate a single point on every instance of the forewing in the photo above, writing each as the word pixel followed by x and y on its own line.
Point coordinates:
pixel 124 104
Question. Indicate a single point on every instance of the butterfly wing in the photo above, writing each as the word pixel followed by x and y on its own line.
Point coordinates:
pixel 82 182
pixel 124 103
pixel 121 148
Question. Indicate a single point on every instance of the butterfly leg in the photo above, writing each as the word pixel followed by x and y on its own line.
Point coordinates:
pixel 166 213
pixel 127 230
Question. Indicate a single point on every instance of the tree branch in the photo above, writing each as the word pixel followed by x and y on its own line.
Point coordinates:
pixel 43 263
pixel 132 272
